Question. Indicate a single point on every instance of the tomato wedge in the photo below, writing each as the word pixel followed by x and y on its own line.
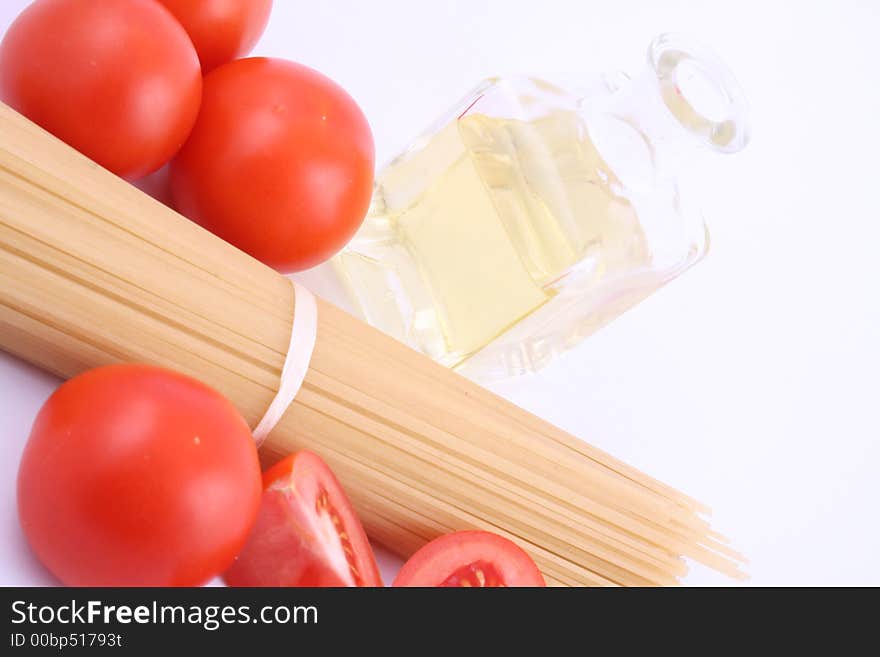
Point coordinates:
pixel 306 532
pixel 470 558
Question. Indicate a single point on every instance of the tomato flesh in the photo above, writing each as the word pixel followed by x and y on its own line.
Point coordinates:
pixel 470 559
pixel 337 542
pixel 477 574
pixel 306 532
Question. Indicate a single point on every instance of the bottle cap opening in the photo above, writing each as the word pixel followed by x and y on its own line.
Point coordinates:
pixel 700 92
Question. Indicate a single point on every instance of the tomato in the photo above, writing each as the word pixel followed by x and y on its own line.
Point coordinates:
pixel 306 533
pixel 137 476
pixel 221 30
pixel 470 558
pixel 279 163
pixel 118 81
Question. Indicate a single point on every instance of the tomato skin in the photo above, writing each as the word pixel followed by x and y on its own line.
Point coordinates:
pixel 118 81
pixel 279 163
pixel 450 559
pixel 221 30
pixel 137 476
pixel 296 540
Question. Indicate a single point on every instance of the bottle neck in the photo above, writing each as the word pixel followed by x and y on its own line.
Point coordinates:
pixel 684 99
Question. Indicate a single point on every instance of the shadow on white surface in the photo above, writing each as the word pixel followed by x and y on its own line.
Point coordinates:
pixel 23 389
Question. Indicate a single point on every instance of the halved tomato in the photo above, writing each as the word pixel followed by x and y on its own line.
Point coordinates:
pixel 306 532
pixel 470 558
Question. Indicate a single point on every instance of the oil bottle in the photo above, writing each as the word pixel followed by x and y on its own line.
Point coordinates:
pixel 530 215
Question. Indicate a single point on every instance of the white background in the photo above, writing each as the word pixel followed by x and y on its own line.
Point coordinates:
pixel 752 381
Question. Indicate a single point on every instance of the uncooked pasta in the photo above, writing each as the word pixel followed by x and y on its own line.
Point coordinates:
pixel 93 271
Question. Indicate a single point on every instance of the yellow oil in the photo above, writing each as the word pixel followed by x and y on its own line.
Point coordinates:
pixel 483 224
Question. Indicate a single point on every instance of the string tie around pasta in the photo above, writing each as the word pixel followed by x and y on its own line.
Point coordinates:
pixel 303 331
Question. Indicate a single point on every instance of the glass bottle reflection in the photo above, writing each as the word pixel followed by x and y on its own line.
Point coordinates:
pixel 530 215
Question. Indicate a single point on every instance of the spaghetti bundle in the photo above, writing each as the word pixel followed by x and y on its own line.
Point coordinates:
pixel 93 271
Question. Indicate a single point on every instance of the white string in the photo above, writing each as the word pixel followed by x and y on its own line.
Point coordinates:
pixel 303 332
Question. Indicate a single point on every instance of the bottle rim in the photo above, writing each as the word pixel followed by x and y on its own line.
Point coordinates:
pixel 700 91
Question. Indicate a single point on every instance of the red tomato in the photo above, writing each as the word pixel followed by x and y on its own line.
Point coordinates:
pixel 470 558
pixel 118 81
pixel 221 30
pixel 306 533
pixel 280 163
pixel 137 476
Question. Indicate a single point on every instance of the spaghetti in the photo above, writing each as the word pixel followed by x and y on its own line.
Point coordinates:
pixel 93 271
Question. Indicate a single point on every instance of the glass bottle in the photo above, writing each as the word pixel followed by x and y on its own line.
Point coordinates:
pixel 530 215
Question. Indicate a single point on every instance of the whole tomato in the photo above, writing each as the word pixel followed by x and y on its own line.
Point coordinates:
pixel 221 30
pixel 279 163
pixel 137 476
pixel 118 80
